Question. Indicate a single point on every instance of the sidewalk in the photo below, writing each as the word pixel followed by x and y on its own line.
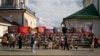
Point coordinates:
pixel 26 51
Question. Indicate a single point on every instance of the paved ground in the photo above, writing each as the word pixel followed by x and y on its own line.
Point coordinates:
pixel 26 51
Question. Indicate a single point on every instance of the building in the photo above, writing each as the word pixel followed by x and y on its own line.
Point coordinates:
pixel 30 19
pixel 87 2
pixel 88 17
pixel 96 3
pixel 16 13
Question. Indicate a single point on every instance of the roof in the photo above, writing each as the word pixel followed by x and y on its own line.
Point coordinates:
pixel 8 22
pixel 87 12
pixel 4 21
pixel 13 10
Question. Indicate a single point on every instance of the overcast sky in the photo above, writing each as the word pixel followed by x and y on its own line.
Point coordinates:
pixel 52 12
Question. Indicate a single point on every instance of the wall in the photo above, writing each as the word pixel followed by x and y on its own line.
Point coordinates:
pixel 3 29
pixel 31 20
pixel 0 2
pixel 96 28
pixel 71 22
pixel 84 22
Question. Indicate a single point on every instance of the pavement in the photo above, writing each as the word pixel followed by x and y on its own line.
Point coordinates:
pixel 26 51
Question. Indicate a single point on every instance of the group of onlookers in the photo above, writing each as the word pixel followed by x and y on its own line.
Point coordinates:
pixel 48 41
pixel 9 39
pixel 41 40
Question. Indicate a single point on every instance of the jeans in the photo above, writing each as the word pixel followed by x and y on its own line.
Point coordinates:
pixel 33 47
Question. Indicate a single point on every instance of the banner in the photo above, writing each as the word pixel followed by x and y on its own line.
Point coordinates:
pixel 41 29
pixel 24 30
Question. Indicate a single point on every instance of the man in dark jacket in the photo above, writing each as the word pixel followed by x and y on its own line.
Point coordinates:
pixel 20 41
pixel 66 43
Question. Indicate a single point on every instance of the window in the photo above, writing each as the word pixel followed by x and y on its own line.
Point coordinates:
pixel 8 3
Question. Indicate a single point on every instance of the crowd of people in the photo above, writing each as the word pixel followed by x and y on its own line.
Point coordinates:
pixel 46 41
pixel 10 39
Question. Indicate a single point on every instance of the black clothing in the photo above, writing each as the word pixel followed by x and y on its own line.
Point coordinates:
pixel 66 45
pixel 12 44
pixel 20 42
pixel 64 30
pixel 96 44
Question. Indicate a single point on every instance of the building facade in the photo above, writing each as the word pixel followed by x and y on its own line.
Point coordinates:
pixel 30 19
pixel 96 3
pixel 17 13
pixel 85 18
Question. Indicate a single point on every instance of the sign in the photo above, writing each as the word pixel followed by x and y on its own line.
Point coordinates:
pixel 41 29
pixel 12 29
pixel 24 30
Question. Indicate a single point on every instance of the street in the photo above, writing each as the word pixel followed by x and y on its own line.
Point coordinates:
pixel 26 51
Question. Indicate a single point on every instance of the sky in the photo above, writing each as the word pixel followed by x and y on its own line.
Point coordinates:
pixel 52 12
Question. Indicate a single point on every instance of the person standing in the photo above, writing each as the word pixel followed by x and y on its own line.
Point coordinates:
pixel 66 45
pixel 19 41
pixel 62 41
pixel 92 41
pixel 50 42
pixel 33 43
pixel 12 40
pixel 4 40
pixel 46 43
pixel 7 35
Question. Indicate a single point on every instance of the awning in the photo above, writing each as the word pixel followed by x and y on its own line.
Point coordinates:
pixel 87 12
